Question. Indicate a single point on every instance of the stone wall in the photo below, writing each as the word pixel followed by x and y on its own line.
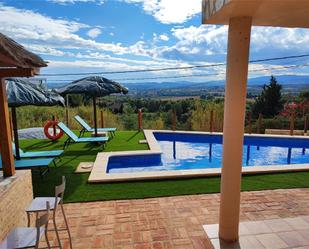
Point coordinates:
pixel 15 195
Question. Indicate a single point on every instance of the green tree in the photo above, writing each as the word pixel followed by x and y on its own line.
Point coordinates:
pixel 269 102
pixel 304 95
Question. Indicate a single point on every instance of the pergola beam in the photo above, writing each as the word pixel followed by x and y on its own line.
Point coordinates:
pixel 276 13
pixel 18 72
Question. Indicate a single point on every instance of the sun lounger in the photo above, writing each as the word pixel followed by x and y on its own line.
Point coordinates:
pixel 73 138
pixel 32 164
pixel 37 154
pixel 87 128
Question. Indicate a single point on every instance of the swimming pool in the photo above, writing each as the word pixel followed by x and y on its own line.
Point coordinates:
pixel 186 154
pixel 189 151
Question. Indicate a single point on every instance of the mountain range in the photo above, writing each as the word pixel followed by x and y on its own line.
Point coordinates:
pixel 284 80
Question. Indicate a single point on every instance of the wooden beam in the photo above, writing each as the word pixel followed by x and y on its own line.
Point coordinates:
pixel 5 134
pixel 102 119
pixel 211 121
pixel 174 120
pixel 94 102
pixel 18 72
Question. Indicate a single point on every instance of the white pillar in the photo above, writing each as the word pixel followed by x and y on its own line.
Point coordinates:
pixel 233 130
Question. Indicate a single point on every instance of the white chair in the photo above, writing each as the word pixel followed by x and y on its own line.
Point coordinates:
pixel 28 237
pixel 37 206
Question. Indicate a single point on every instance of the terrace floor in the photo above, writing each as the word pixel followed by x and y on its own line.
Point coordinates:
pixel 177 222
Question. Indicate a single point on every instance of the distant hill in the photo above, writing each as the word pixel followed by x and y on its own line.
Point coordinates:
pixel 291 83
pixel 285 80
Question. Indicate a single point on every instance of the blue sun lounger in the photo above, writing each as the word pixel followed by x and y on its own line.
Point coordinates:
pixel 32 164
pixel 37 154
pixel 75 139
pixel 87 128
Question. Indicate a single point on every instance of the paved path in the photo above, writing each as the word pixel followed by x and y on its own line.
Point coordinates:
pixel 171 222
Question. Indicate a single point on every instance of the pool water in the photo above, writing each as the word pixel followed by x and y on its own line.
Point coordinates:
pixel 200 151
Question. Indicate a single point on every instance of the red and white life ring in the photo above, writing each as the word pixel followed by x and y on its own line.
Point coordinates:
pixel 49 124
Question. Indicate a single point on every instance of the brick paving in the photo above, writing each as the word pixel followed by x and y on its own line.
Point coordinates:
pixel 170 222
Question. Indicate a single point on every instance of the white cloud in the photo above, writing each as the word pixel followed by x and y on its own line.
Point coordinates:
pixel 170 11
pixel 95 32
pixel 164 37
pixel 29 27
pixel 196 43
pixel 204 44
pixel 76 1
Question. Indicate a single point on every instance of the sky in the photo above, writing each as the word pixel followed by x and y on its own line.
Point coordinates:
pixel 84 36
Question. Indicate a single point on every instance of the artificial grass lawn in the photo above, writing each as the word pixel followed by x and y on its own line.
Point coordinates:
pixel 78 190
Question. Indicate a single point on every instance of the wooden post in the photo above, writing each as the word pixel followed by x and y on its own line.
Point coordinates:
pixel 222 124
pixel 259 124
pixel 292 123
pixel 67 111
pixel 15 131
pixel 234 124
pixel 306 124
pixel 174 121
pixel 102 119
pixel 54 126
pixel 5 134
pixel 95 116
pixel 11 125
pixel 211 121
pixel 250 122
pixel 306 121
pixel 140 119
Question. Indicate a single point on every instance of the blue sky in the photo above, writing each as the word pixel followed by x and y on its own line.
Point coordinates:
pixel 113 35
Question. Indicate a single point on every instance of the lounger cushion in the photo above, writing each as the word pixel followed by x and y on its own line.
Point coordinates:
pixel 72 135
pixel 92 139
pixel 82 123
pixel 32 154
pixel 67 131
pixel 31 163
pixel 103 129
pixel 88 128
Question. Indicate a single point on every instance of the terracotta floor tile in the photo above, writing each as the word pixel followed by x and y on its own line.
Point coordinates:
pixel 177 222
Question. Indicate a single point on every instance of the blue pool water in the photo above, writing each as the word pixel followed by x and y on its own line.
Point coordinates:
pixel 200 151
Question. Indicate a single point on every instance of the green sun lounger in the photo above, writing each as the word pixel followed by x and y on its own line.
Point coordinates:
pixel 37 154
pixel 87 128
pixel 32 164
pixel 72 138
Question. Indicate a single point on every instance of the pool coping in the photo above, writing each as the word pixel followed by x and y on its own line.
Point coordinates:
pixel 99 174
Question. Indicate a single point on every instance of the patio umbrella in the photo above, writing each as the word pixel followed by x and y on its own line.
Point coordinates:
pixel 93 86
pixel 21 92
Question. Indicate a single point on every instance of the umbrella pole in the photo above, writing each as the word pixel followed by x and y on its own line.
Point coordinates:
pixel 67 109
pixel 15 130
pixel 95 116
